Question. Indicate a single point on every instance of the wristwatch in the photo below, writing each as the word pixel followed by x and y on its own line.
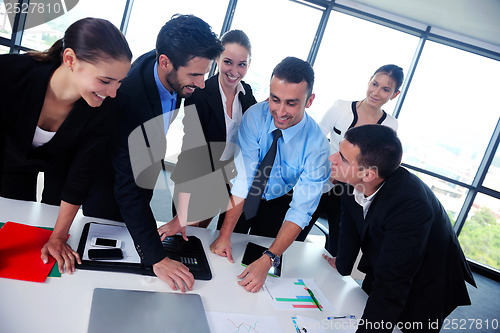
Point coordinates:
pixel 275 259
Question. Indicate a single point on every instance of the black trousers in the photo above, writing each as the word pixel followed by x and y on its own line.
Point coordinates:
pixel 21 185
pixel 329 207
pixel 269 218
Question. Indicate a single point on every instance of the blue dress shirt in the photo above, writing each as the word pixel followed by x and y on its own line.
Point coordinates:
pixel 301 161
pixel 168 100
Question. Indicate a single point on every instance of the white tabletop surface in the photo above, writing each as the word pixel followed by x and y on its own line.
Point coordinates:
pixel 63 304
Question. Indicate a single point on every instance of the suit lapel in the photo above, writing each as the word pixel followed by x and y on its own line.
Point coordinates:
pixel 31 107
pixel 71 128
pixel 151 89
pixel 377 210
pixel 361 222
pixel 214 101
pixel 247 99
pixel 355 210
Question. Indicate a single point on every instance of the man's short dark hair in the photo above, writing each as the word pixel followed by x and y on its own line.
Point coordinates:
pixel 185 37
pixel 295 70
pixel 379 148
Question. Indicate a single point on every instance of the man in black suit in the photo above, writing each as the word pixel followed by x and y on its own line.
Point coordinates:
pixel 415 268
pixel 185 49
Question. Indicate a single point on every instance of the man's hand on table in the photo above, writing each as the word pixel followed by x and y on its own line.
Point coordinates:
pixel 171 228
pixel 331 261
pixel 174 273
pixel 222 247
pixel 255 274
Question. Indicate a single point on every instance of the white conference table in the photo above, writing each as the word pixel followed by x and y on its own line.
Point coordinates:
pixel 63 304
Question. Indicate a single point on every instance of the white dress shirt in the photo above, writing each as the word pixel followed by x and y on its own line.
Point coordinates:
pixel 364 201
pixel 233 123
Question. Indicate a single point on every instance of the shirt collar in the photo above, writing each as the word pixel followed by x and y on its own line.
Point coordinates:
pixel 363 201
pixel 165 95
pixel 290 132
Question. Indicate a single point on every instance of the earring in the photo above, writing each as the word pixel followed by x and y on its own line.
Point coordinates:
pixel 70 68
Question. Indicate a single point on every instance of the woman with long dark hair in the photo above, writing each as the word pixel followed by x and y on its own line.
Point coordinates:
pixel 56 117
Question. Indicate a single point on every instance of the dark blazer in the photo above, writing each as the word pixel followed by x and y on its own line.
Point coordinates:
pixel 415 268
pixel 73 154
pixel 141 119
pixel 209 113
pixel 142 105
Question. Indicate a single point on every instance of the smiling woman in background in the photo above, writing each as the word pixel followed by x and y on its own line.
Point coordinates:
pixel 214 123
pixel 56 118
pixel 383 86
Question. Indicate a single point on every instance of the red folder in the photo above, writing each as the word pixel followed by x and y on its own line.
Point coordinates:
pixel 20 250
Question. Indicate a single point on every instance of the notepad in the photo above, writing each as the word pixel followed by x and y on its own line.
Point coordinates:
pixel 20 247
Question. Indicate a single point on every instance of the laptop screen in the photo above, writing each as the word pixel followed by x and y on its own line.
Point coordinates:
pixel 123 311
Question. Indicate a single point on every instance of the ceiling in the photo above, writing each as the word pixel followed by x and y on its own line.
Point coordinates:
pixel 478 20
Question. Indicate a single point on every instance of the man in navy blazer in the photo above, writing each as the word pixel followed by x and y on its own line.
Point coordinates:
pixel 185 49
pixel 415 268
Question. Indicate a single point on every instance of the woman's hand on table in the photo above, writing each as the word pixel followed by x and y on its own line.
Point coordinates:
pixel 62 252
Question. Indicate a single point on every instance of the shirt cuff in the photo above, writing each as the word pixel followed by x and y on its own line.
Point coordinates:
pixel 299 218
pixel 239 190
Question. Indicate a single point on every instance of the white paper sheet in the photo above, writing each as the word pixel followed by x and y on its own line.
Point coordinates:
pixel 291 294
pixel 222 322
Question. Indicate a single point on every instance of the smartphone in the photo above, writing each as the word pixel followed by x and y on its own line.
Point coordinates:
pixel 253 252
pixel 105 254
pixel 105 242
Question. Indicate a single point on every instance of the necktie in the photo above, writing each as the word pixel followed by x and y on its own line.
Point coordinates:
pixel 261 176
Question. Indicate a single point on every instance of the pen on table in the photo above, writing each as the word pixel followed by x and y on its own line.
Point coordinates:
pixel 341 317
pixel 314 299
pixel 295 323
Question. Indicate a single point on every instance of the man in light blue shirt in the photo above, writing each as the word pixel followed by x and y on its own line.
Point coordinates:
pixel 301 164
pixel 168 100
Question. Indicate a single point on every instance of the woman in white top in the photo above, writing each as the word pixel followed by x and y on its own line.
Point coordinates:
pixel 210 134
pixel 383 86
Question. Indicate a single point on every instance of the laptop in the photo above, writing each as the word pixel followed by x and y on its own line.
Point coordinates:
pixel 134 311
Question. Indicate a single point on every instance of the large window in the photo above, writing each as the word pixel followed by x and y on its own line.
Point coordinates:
pixel 276 29
pixel 447 119
pixel 5 25
pixel 41 37
pixel 492 179
pixel 4 49
pixel 480 236
pixel 446 123
pixel 351 50
pixel 451 196
pixel 148 17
